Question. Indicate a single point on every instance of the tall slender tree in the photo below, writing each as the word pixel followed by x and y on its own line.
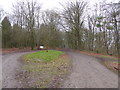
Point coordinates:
pixel 6 33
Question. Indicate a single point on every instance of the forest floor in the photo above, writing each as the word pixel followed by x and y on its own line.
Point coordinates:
pixel 87 72
pixel 15 50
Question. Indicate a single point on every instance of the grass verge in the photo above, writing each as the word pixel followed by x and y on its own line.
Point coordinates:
pixel 45 56
pixel 46 69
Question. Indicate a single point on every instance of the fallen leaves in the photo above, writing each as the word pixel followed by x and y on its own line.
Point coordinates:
pixel 113 65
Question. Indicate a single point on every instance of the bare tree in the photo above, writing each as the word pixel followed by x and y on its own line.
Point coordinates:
pixel 27 13
pixel 114 15
pixel 51 21
pixel 73 16
pixel 1 13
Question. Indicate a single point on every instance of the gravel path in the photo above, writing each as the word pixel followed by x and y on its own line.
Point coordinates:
pixel 87 72
pixel 11 66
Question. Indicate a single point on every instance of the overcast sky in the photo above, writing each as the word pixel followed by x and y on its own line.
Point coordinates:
pixel 46 4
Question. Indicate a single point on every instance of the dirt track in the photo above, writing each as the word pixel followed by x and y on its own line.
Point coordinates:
pixel 11 66
pixel 87 72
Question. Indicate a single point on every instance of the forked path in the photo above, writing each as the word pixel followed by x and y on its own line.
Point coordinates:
pixel 87 72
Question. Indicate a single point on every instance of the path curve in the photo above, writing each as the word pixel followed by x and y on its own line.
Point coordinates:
pixel 87 72
pixel 11 66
